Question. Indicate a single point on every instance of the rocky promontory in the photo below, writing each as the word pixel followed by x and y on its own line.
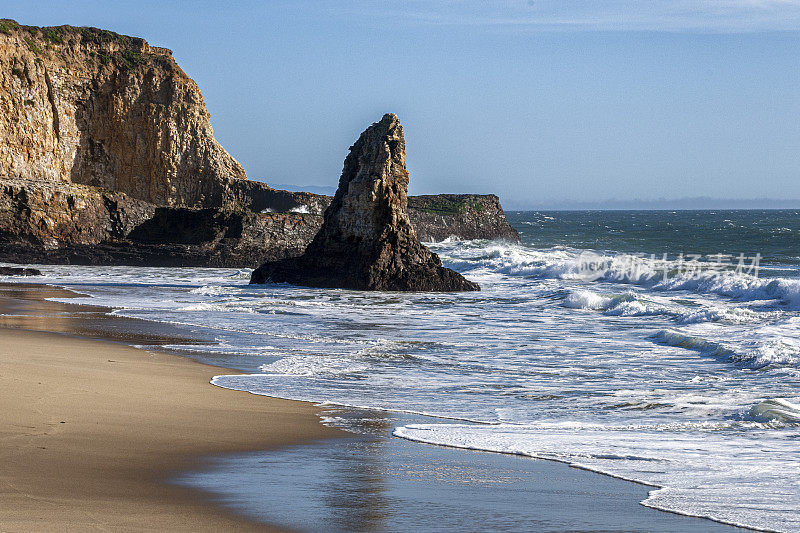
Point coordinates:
pixel 107 156
pixel 366 241
pixel 92 107
pixel 437 217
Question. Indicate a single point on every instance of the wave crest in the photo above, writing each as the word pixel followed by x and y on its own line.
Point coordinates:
pixel 760 353
pixel 776 410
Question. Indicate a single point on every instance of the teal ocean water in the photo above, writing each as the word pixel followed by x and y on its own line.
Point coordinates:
pixel 661 347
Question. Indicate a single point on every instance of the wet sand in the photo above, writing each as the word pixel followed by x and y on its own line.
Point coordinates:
pixel 378 483
pixel 91 430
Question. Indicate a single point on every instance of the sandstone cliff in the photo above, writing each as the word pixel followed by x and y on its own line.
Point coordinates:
pixel 92 107
pixel 366 241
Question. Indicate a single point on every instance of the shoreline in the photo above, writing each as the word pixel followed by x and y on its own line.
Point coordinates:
pixel 27 318
pixel 94 430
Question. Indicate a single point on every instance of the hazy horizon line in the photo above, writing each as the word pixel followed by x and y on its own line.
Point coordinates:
pixel 658 204
pixel 687 203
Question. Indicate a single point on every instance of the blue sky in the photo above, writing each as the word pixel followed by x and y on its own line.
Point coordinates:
pixel 546 103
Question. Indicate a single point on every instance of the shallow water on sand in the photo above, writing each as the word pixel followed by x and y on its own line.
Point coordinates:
pixel 371 482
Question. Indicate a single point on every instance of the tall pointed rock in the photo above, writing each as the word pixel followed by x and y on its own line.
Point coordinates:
pixel 366 241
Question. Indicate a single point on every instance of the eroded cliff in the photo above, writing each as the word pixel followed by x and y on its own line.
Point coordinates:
pixel 92 107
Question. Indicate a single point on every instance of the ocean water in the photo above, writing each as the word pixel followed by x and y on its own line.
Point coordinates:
pixel 587 345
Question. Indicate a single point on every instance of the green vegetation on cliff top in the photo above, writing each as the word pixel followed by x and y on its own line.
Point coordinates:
pixel 449 206
pixel 127 58
pixel 58 34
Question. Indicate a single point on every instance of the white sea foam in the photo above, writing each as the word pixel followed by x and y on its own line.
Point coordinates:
pixel 630 304
pixel 211 290
pixel 310 365
pixel 701 315
pixel 755 352
pixel 587 300
pixel 699 344
pixel 706 470
pixel 740 288
pixel 562 263
pixel 627 304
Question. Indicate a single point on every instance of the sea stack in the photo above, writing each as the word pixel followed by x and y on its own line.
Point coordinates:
pixel 366 241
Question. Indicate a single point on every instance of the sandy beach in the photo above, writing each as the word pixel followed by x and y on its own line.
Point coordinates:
pixel 91 429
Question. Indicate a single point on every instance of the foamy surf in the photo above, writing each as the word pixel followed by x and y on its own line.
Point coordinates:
pixel 565 264
pixel 756 352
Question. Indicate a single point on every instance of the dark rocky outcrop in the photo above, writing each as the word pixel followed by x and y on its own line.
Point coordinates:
pixel 434 217
pixel 462 216
pixel 74 224
pixel 19 271
pixel 52 214
pixel 216 237
pixel 366 241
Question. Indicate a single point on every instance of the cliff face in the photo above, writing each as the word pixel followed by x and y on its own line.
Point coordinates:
pixel 463 216
pixel 215 237
pixel 91 107
pixel 50 215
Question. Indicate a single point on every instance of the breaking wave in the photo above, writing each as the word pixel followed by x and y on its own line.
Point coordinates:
pixel 486 257
pixel 627 304
pixel 758 352
pixel 776 410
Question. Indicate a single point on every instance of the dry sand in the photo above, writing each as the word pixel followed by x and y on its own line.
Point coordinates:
pixel 91 431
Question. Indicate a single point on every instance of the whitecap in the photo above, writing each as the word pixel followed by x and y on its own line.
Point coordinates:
pixel 776 410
